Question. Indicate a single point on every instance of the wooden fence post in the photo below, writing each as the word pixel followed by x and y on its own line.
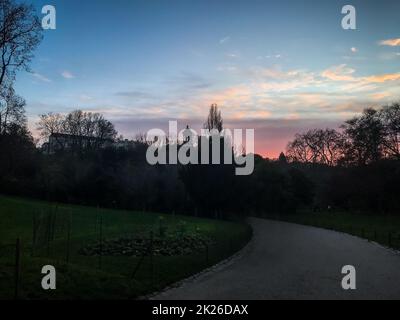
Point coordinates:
pixel 17 268
pixel 68 237
pixel 54 223
pixel 48 226
pixel 34 233
pixel 101 241
pixel 151 256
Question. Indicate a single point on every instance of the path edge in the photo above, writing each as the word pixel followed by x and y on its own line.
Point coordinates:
pixel 214 268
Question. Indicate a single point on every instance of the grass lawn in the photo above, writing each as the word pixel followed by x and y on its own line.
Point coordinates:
pixel 61 231
pixel 384 229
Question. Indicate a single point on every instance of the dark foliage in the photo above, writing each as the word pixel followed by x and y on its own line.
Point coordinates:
pixel 120 177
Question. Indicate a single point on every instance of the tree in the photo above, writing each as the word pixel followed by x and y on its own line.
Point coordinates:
pixel 12 110
pixel 206 184
pixel 83 125
pixel 317 146
pixel 214 119
pixel 282 158
pixel 298 150
pixel 49 124
pixel 390 117
pixel 85 129
pixel 302 188
pixel 17 149
pixel 20 34
pixel 364 138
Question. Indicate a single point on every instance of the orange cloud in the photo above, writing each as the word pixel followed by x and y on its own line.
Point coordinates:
pixel 380 96
pixel 390 42
pixel 234 95
pixel 382 78
pixel 339 73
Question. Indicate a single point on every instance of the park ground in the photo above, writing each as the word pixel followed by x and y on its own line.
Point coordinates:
pixel 91 248
pixel 141 252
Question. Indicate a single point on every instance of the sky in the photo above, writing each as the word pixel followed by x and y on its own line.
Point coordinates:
pixel 280 67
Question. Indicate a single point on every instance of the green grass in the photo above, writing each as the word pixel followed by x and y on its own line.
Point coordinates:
pixel 85 277
pixel 384 229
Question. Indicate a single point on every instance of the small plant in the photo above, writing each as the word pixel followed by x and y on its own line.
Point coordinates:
pixel 162 228
pixel 182 228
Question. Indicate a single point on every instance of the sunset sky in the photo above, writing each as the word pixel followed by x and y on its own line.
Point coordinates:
pixel 280 67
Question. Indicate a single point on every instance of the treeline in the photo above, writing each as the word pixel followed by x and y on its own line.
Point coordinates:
pixel 115 176
pixel 355 168
pixel 368 138
pixel 340 171
pixel 84 130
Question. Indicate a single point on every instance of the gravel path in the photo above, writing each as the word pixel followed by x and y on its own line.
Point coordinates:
pixel 289 261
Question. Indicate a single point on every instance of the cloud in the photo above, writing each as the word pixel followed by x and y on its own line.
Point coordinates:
pixel 252 94
pixel 235 97
pixel 224 40
pixel 339 73
pixel 379 96
pixel 274 56
pixel 344 79
pixel 382 78
pixel 41 77
pixel 85 98
pixel 388 55
pixel 189 81
pixel 227 68
pixel 390 42
pixel 67 75
pixel 232 55
pixel 134 94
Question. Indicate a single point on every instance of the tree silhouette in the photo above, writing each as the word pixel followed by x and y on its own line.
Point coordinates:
pixel 364 138
pixel 390 116
pixel 20 34
pixel 214 119
pixel 12 110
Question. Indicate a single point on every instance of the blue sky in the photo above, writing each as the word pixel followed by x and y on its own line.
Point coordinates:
pixel 277 66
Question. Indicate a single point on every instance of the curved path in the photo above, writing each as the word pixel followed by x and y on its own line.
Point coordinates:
pixel 289 261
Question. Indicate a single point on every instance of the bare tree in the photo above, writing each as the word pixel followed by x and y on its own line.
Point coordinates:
pixel 49 125
pixel 214 119
pixel 12 110
pixel 20 34
pixel 390 116
pixel 83 125
pixel 317 146
pixel 85 129
pixel 365 136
